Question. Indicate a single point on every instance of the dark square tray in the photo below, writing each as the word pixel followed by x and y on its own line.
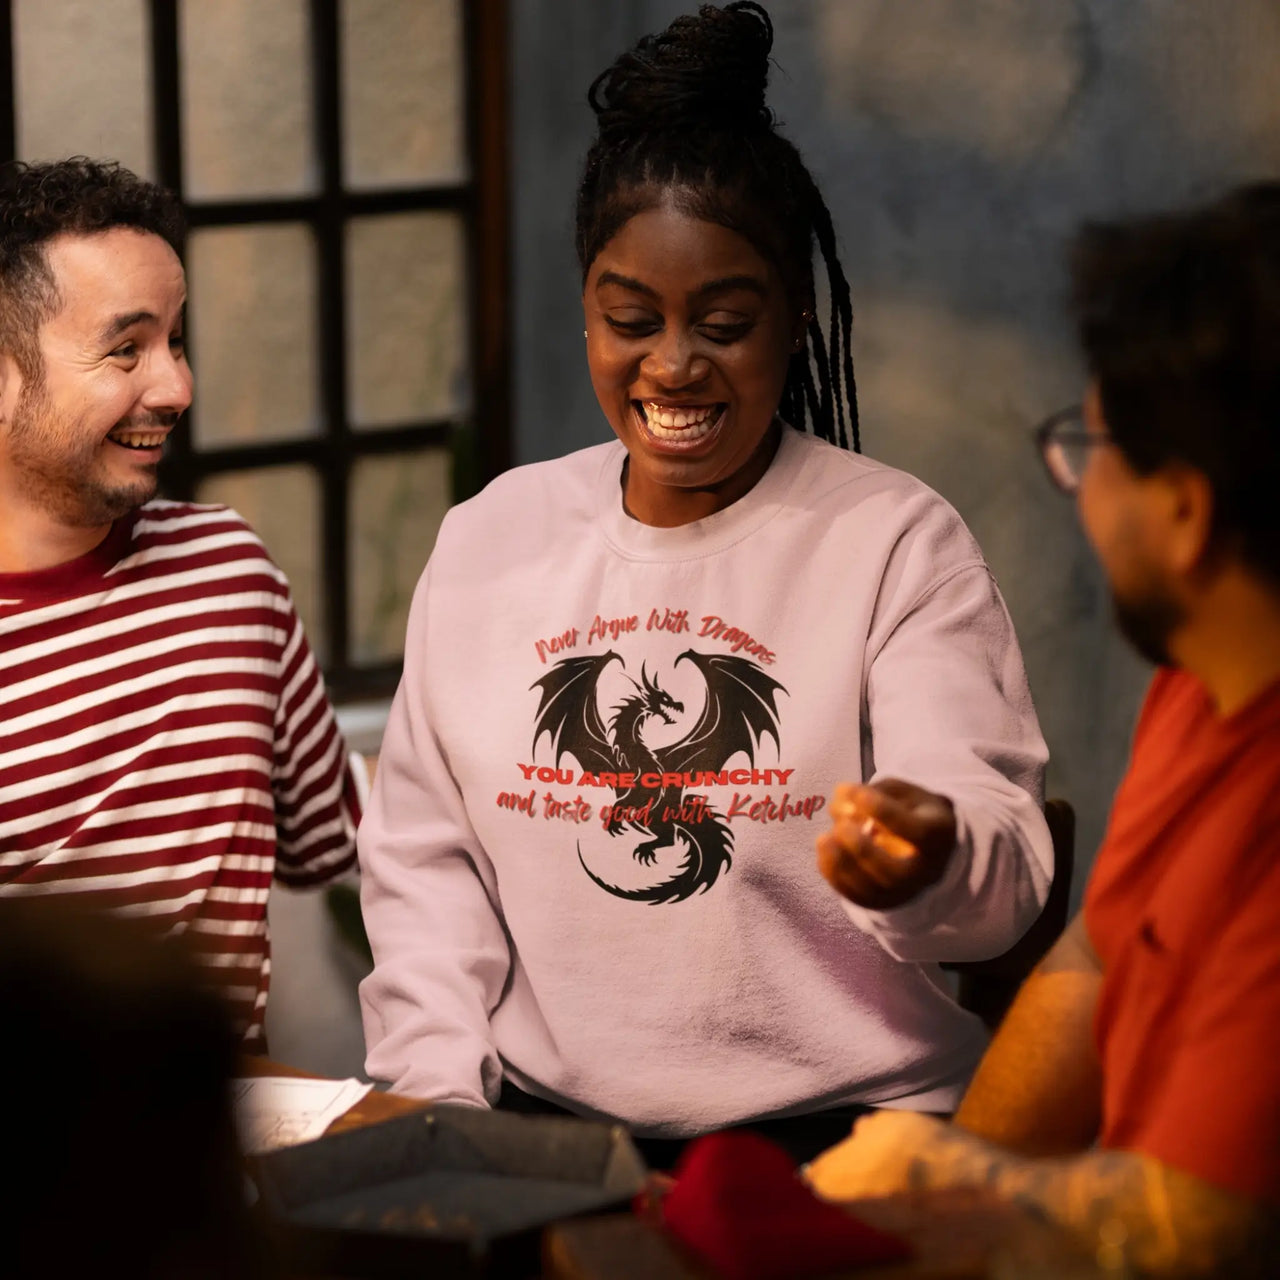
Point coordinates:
pixel 454 1191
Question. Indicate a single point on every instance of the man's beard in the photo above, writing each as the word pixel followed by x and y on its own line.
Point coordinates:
pixel 60 473
pixel 1147 620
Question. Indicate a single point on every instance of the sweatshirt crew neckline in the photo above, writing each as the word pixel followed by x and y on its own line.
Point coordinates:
pixel 714 533
pixel 81 574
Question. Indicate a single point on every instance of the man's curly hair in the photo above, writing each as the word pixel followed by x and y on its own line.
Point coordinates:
pixel 39 202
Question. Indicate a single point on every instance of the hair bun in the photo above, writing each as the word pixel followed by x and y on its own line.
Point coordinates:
pixel 703 71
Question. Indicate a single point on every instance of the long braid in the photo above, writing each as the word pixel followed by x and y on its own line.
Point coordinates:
pixel 684 115
pixel 841 321
pixel 834 354
pixel 799 404
pixel 824 421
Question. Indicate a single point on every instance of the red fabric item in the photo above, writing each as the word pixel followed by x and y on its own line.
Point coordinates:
pixel 1183 908
pixel 739 1205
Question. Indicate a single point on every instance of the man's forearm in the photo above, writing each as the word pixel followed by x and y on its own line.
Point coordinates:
pixel 1167 1222
pixel 1038 1089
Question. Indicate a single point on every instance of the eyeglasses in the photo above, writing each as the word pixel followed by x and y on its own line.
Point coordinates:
pixel 1064 442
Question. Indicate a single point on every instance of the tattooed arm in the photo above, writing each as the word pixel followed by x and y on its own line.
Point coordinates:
pixel 1169 1223
pixel 1038 1089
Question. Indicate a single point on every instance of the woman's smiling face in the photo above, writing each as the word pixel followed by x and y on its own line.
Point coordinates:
pixel 689 335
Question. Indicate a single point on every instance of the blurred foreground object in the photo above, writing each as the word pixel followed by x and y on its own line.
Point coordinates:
pixel 117 1087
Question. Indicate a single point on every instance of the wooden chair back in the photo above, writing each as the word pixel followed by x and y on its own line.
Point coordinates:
pixel 987 987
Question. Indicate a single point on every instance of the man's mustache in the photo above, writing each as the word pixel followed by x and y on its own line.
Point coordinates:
pixel 165 420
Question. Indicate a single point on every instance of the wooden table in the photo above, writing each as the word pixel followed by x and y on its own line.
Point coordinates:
pixel 956 1235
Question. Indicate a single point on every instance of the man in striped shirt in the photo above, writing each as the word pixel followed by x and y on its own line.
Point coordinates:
pixel 166 742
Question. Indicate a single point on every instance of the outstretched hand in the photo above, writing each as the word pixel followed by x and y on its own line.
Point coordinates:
pixel 889 841
pixel 877 1158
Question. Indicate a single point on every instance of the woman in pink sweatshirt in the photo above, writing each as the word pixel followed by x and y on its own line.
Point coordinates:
pixel 639 678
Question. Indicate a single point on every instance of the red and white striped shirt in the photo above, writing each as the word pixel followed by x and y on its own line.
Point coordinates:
pixel 166 742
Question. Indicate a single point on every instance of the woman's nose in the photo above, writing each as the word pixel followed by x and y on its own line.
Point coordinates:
pixel 673 360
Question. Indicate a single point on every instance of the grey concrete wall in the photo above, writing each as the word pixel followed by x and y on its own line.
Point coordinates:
pixel 958 142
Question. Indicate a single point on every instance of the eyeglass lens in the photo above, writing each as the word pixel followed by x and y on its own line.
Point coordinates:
pixel 1067 459
pixel 1065 448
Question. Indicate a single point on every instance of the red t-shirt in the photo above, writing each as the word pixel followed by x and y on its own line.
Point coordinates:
pixel 1183 908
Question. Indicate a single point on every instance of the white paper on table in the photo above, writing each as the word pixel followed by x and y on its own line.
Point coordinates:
pixel 278 1111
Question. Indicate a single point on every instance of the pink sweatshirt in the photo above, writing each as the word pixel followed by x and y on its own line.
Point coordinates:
pixel 588 859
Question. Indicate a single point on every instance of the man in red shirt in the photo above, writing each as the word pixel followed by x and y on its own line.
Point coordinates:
pixel 1133 1092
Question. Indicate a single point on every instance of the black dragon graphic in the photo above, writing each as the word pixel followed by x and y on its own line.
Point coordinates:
pixel 739 710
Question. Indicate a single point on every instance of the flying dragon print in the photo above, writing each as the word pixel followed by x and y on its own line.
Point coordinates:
pixel 740 709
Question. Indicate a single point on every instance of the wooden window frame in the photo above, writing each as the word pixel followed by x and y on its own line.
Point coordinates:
pixel 481 199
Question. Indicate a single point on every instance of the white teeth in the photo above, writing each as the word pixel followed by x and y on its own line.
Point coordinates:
pixel 691 423
pixel 139 439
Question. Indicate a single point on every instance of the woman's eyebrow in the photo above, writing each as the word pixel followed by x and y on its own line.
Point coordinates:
pixel 727 284
pixel 724 284
pixel 624 282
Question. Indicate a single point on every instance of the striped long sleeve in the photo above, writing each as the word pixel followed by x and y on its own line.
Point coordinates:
pixel 166 742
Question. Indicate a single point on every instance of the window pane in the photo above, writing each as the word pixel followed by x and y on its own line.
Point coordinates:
pixel 253 331
pixel 246 98
pixel 397 503
pixel 82 83
pixel 407 318
pixel 283 506
pixel 402 92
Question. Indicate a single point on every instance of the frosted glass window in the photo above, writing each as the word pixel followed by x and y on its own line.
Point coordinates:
pixel 283 506
pixel 402 93
pixel 82 81
pixel 397 503
pixel 246 98
pixel 407 318
pixel 253 332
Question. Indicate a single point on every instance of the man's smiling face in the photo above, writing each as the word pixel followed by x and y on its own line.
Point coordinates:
pixel 81 445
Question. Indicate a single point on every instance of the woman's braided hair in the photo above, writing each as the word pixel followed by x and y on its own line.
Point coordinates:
pixel 683 115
